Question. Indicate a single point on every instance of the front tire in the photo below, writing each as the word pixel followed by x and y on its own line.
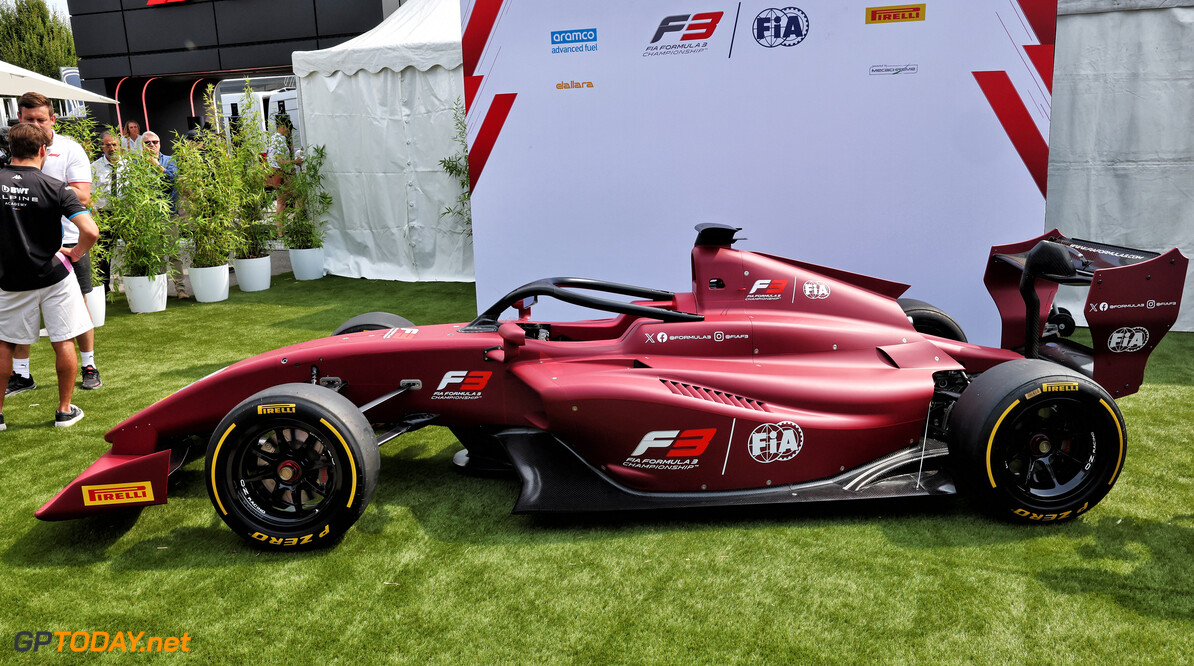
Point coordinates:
pixel 292 467
pixel 1033 441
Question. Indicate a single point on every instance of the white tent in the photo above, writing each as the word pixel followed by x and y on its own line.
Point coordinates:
pixel 15 81
pixel 1121 153
pixel 381 104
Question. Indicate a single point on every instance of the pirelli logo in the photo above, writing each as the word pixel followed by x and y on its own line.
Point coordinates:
pixel 275 409
pixel 118 493
pixel 895 14
pixel 1057 387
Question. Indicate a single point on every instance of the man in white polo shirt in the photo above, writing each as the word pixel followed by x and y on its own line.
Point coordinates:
pixel 67 161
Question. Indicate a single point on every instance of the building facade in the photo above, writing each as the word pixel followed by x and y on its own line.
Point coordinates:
pixel 157 57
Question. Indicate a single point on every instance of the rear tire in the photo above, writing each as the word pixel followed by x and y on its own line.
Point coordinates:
pixel 372 321
pixel 931 320
pixel 292 467
pixel 1033 441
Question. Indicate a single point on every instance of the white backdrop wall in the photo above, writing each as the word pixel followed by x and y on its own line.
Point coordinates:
pixel 1121 163
pixel 907 176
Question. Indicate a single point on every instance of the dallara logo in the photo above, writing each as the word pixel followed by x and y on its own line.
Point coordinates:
pixel 895 14
pixel 275 409
pixel 1053 387
pixel 118 493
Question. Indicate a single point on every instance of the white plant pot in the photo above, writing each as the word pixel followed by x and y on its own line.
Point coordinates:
pixel 307 263
pixel 252 274
pixel 97 306
pixel 146 294
pixel 210 284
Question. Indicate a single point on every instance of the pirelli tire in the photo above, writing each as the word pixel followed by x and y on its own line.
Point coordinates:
pixel 1035 442
pixel 931 320
pixel 292 467
pixel 372 321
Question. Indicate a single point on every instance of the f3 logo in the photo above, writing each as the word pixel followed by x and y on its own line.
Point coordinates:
pixel 701 26
pixel 679 443
pixel 469 381
pixel 769 286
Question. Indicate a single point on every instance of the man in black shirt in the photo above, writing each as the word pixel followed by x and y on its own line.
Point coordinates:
pixel 35 276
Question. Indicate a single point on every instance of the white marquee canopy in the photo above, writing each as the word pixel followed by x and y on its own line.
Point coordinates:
pixel 382 105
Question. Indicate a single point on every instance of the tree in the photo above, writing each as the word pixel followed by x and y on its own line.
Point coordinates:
pixel 33 38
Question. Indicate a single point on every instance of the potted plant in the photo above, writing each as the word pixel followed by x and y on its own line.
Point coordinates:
pixel 302 218
pixel 140 217
pixel 256 236
pixel 209 193
pixel 82 128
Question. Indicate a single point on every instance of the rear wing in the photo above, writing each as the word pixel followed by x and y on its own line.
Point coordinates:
pixel 1132 303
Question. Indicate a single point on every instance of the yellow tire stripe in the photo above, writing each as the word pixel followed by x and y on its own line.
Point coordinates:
pixel 991 440
pixel 351 462
pixel 214 457
pixel 1119 429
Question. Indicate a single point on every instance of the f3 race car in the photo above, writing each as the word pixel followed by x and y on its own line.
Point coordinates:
pixel 773 381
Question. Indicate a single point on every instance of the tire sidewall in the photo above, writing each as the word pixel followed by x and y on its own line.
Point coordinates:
pixel 372 321
pixel 338 424
pixel 992 403
pixel 929 319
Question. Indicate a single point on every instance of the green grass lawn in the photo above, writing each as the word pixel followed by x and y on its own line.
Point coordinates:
pixel 437 570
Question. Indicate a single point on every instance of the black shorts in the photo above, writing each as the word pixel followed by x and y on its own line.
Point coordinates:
pixel 82 270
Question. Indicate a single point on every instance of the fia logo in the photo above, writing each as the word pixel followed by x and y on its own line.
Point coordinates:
pixel 775 442
pixel 780 27
pixel 817 291
pixel 1128 339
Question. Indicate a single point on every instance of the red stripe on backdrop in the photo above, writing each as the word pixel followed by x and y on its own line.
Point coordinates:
pixel 1018 124
pixel 491 127
pixel 1042 16
pixel 471 84
pixel 476 34
pixel 1042 59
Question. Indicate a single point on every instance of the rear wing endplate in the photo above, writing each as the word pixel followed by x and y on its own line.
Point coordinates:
pixel 1133 301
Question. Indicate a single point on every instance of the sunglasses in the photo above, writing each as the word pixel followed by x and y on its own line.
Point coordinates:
pixel 153 142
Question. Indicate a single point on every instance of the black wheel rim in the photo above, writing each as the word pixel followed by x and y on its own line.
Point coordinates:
pixel 1051 452
pixel 285 475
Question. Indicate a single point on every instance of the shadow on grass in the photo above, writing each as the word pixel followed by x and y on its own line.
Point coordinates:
pixel 70 543
pixel 1142 565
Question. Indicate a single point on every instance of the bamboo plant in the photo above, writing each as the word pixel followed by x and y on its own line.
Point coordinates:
pixel 210 193
pixel 303 223
pixel 139 214
pixel 248 145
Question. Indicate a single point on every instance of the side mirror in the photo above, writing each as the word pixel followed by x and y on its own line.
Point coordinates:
pixel 513 337
pixel 524 307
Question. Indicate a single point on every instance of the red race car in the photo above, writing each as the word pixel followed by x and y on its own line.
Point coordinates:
pixel 774 380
